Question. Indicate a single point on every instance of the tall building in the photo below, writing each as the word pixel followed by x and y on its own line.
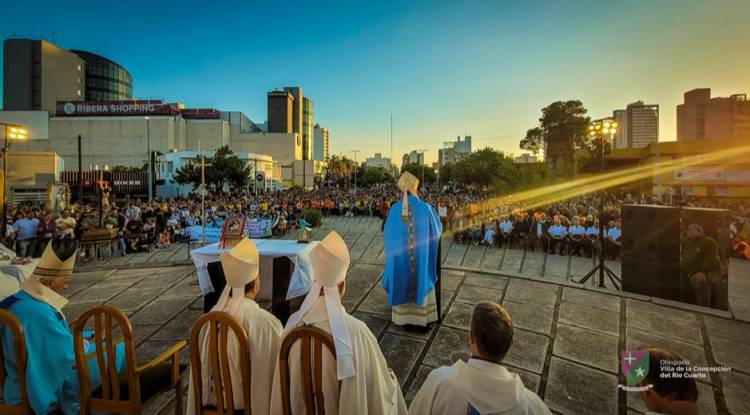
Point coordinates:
pixel 297 110
pixel 413 157
pixel 454 151
pixel 307 128
pixel 701 117
pixel 105 79
pixel 322 144
pixel 280 112
pixel 36 74
pixel 637 125
pixel 379 161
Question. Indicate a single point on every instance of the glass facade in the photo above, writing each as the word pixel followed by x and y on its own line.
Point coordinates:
pixel 307 129
pixel 105 80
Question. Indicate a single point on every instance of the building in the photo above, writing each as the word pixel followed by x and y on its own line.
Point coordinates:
pixel 692 168
pixel 105 79
pixel 29 173
pixel 280 112
pixel 123 133
pixel 379 161
pixel 701 117
pixel 36 74
pixel 321 147
pixel 637 125
pixel 525 158
pixel 167 165
pixel 454 151
pixel 297 108
pixel 307 128
pixel 413 157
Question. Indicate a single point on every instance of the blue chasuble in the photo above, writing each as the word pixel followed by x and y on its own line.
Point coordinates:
pixel 410 252
pixel 51 380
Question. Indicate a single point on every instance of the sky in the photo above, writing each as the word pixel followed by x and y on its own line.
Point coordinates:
pixel 441 68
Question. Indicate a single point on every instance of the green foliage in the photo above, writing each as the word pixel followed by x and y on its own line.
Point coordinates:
pixel 368 176
pixel 313 216
pixel 223 168
pixel 562 129
pixel 416 169
pixel 488 168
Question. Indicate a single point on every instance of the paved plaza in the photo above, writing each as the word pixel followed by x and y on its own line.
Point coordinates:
pixel 567 336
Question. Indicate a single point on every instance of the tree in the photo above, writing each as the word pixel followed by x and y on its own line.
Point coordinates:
pixel 222 169
pixel 416 170
pixel 368 176
pixel 339 168
pixel 562 129
pixel 487 167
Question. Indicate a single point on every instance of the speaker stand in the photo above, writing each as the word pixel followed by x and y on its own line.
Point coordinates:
pixel 601 268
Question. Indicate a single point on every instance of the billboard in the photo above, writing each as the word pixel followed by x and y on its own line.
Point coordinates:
pixel 117 108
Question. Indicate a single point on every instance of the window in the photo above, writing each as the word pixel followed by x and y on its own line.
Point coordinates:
pixel 79 68
pixel 79 92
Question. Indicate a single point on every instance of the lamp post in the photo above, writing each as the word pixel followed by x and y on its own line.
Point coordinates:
pixel 355 168
pixel 148 148
pixel 600 128
pixel 13 132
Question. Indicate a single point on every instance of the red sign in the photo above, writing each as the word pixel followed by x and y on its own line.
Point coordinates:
pixel 118 108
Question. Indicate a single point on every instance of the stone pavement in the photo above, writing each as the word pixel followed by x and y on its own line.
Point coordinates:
pixel 567 336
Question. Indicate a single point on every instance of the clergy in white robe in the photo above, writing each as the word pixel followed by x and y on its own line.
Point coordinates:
pixel 482 385
pixel 263 333
pixel 367 385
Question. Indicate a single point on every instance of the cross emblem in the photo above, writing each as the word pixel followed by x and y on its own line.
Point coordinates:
pixel 629 359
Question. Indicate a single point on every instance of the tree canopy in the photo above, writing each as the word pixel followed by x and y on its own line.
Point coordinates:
pixel 367 176
pixel 416 170
pixel 485 168
pixel 223 168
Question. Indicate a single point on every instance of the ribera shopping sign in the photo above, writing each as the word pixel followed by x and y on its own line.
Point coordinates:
pixel 131 107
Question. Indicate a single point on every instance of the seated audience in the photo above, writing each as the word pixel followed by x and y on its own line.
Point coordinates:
pixel 482 385
pixel 367 385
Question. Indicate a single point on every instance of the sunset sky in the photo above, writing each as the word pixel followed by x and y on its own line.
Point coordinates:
pixel 440 67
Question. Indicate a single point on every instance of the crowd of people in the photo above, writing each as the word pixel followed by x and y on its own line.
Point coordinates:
pixel 469 215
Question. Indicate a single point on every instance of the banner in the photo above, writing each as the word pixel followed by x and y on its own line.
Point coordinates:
pixel 258 228
pixel 132 107
pixel 700 174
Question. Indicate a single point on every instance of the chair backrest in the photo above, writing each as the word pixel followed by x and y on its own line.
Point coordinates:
pixel 108 321
pixel 15 330
pixel 220 324
pixel 312 340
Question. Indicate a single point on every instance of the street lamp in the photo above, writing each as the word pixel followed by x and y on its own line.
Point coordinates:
pixel 13 132
pixel 600 128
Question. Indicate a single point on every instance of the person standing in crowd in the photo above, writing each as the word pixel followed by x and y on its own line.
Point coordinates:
pixel 26 232
pixel 612 240
pixel 538 233
pixel 482 385
pixel 703 266
pixel 505 232
pixel 557 236
pixel 46 231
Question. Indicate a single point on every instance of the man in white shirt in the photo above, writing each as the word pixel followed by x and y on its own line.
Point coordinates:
pixel 576 234
pixel 505 232
pixel 367 385
pixel 592 238
pixel 612 240
pixel 557 236
pixel 263 333
pixel 489 237
pixel 482 385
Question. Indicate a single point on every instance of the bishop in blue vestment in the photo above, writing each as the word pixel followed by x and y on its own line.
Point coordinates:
pixel 51 381
pixel 411 236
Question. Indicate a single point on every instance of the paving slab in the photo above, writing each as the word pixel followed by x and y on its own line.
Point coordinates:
pixel 728 352
pixel 486 280
pixel 401 353
pixel 373 250
pixel 538 293
pixel 459 316
pixel 589 317
pixel 376 302
pixel 706 401
pixel 512 261
pixel 556 267
pixel 577 390
pixel 730 329
pixel 693 353
pixel 580 266
pixel 455 255
pixel 448 346
pixel 450 280
pixel 473 294
pixel 528 351
pixel 735 387
pixel 587 347
pixel 677 324
pixel 419 379
pixel 533 264
pixel 473 256
pixel 591 299
pixel 530 316
pixel 492 259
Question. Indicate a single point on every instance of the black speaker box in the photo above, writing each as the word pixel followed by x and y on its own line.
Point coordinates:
pixel 651 233
pixel 715 223
pixel 655 279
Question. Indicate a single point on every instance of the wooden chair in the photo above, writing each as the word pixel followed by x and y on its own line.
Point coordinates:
pixel 135 386
pixel 219 325
pixel 19 347
pixel 312 340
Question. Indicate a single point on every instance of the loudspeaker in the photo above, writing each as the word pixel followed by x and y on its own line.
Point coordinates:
pixel 715 223
pixel 651 233
pixel 655 279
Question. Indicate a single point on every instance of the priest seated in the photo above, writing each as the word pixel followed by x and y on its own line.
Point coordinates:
pixel 367 385
pixel 482 385
pixel 263 330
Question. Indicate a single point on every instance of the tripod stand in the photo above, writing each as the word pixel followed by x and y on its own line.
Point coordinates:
pixel 601 268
